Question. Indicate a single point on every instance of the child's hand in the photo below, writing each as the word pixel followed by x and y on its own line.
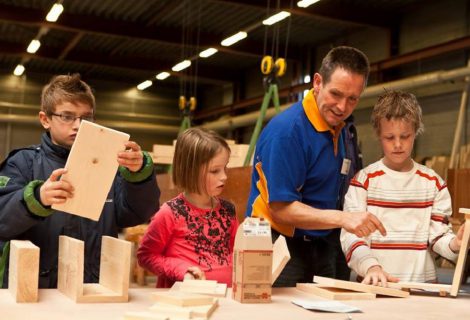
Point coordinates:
pixel 55 191
pixel 195 273
pixel 375 274
pixel 457 241
pixel 132 158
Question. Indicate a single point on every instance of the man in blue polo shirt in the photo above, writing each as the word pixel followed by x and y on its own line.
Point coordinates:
pixel 299 164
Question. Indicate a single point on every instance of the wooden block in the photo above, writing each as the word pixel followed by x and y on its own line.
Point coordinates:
pixel 171 311
pixel 182 299
pixel 144 315
pixel 199 312
pixel 420 286
pixel 92 166
pixel 206 287
pixel 459 267
pixel 163 153
pixel 333 283
pixel 334 293
pixel 114 271
pixel 23 277
pixel 281 256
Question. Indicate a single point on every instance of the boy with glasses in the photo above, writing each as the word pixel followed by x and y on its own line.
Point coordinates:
pixel 30 184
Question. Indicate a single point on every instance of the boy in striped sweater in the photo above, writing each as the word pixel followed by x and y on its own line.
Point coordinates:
pixel 411 201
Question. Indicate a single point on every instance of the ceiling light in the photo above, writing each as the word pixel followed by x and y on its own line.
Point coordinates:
pixel 307 79
pixel 18 70
pixel 276 18
pixel 306 3
pixel 233 39
pixel 33 46
pixel 55 12
pixel 162 75
pixel 208 52
pixel 182 65
pixel 144 85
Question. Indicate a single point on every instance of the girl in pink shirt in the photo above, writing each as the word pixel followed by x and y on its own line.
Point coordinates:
pixel 192 235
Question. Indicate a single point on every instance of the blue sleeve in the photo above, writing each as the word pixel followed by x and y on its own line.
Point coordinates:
pixel 138 201
pixel 15 218
pixel 284 167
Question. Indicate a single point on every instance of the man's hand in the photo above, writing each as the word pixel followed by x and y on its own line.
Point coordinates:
pixel 457 241
pixel 195 273
pixel 362 223
pixel 55 191
pixel 132 158
pixel 376 275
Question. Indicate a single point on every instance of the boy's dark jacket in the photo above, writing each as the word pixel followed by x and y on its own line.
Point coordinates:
pixel 128 204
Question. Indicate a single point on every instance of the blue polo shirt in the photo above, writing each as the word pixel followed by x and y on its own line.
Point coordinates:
pixel 298 157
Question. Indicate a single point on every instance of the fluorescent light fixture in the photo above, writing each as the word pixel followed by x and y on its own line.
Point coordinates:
pixel 18 70
pixel 233 39
pixel 33 46
pixel 55 12
pixel 144 85
pixel 276 18
pixel 181 66
pixel 208 52
pixel 306 3
pixel 307 79
pixel 162 75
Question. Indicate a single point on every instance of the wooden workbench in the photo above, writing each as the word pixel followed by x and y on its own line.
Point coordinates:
pixel 55 306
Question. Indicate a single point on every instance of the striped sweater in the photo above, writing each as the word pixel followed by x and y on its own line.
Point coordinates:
pixel 414 207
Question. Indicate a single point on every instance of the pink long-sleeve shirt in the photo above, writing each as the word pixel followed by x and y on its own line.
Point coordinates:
pixel 182 235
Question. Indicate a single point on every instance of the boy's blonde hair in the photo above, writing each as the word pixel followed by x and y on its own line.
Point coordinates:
pixel 66 88
pixel 398 105
pixel 195 148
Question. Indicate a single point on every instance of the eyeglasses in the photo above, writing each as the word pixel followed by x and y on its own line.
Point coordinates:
pixel 70 118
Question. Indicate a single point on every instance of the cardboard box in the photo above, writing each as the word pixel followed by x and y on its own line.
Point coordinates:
pixel 252 262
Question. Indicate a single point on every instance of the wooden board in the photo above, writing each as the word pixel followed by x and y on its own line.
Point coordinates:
pixel 281 256
pixel 459 267
pixel 114 271
pixel 207 287
pixel 163 154
pixel 354 286
pixel 182 299
pixel 192 312
pixel 334 293
pixel 23 277
pixel 143 315
pixel 420 286
pixel 92 166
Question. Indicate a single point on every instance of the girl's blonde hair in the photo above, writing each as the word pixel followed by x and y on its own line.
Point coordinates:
pixel 195 148
pixel 398 105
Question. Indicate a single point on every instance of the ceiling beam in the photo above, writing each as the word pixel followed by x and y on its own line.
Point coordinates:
pixel 322 11
pixel 98 26
pixel 205 75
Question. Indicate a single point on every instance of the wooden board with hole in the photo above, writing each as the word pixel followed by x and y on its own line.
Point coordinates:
pixel 91 168
pixel 334 293
pixel 354 286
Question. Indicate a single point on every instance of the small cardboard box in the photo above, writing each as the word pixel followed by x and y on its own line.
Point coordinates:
pixel 252 262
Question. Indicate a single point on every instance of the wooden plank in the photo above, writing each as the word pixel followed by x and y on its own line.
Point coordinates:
pixel 420 286
pixel 143 315
pixel 459 267
pixel 115 265
pixel 23 277
pixel 163 153
pixel 329 282
pixel 207 287
pixel 182 299
pixel 334 293
pixel 281 256
pixel 70 272
pixel 199 312
pixel 92 166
